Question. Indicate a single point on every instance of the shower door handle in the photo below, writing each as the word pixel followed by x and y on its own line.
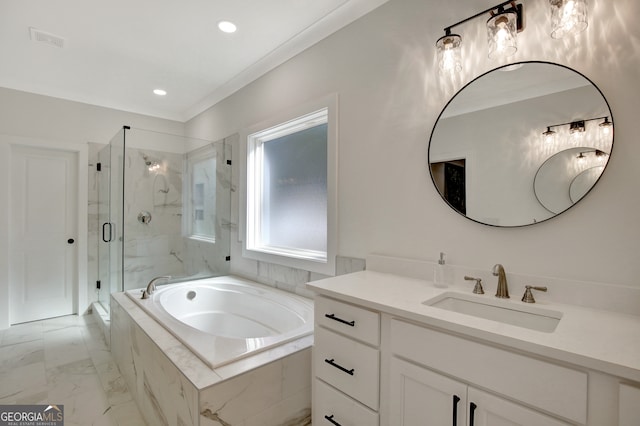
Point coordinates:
pixel 104 225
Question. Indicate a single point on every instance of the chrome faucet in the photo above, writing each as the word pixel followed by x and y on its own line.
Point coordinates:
pixel 151 287
pixel 503 289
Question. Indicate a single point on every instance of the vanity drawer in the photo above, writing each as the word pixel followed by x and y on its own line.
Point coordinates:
pixel 332 403
pixel 347 365
pixel 554 388
pixel 353 321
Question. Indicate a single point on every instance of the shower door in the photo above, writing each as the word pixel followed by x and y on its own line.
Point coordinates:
pixel 105 229
pixel 110 179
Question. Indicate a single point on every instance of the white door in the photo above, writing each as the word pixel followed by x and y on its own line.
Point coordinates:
pixel 43 269
pixel 422 397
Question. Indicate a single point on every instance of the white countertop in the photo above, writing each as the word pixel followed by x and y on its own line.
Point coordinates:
pixel 595 339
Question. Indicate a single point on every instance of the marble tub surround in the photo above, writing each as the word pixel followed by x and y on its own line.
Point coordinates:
pixel 591 337
pixel 65 361
pixel 173 386
pixel 103 321
pixel 294 280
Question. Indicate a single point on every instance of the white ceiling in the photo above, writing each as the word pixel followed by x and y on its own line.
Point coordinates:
pixel 116 52
pixel 513 84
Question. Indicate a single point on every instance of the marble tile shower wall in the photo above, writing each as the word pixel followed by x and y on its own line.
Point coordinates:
pixel 151 249
pixel 157 248
pixel 154 248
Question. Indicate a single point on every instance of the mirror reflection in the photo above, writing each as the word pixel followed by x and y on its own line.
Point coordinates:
pixel 521 144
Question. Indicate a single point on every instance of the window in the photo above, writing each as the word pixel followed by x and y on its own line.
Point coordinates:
pixel 201 206
pixel 290 192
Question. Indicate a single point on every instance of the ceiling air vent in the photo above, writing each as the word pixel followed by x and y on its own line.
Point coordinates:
pixel 46 38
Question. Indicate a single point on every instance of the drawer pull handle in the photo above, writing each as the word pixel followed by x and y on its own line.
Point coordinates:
pixel 472 410
pixel 330 419
pixel 339 367
pixel 335 318
pixel 456 399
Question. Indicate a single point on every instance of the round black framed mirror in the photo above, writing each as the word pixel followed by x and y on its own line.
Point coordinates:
pixel 491 140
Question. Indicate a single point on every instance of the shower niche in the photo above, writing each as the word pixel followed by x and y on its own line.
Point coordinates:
pixel 164 205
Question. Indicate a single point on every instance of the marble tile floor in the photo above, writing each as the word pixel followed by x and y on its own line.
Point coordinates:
pixel 65 361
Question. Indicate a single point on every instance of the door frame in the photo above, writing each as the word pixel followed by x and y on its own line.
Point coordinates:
pixel 81 288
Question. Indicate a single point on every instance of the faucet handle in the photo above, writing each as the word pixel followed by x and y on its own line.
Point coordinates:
pixel 477 289
pixel 528 295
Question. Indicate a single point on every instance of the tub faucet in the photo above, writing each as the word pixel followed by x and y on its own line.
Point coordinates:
pixel 151 287
pixel 503 289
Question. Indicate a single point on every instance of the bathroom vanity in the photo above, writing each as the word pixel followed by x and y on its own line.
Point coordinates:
pixel 394 350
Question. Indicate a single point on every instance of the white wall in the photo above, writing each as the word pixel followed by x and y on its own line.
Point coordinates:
pixel 382 68
pixel 56 123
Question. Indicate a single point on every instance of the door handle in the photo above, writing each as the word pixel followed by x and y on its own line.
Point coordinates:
pixel 104 225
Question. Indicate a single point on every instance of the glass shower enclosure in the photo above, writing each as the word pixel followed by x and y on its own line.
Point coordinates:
pixel 164 207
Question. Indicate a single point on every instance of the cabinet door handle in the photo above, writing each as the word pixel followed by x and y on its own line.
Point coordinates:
pixel 335 318
pixel 338 366
pixel 456 399
pixel 472 412
pixel 330 420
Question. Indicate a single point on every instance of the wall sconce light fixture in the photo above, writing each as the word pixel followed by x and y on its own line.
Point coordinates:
pixel 449 56
pixel 568 17
pixel 549 135
pixel 606 126
pixel 502 28
pixel 502 36
pixel 597 153
pixel 578 127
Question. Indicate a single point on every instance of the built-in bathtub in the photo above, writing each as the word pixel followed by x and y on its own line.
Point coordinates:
pixel 224 319
pixel 253 367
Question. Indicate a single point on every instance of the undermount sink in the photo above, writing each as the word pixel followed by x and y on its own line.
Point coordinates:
pixel 530 317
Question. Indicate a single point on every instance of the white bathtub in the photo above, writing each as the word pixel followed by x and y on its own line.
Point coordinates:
pixel 224 319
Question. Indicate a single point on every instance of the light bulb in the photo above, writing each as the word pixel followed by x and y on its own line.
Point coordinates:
pixel 448 48
pixel 605 127
pixel 568 17
pixel 227 27
pixel 549 136
pixel 502 35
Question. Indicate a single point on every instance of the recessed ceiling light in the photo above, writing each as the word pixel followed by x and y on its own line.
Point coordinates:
pixel 160 92
pixel 227 27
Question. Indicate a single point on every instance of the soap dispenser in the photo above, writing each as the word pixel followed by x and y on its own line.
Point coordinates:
pixel 440 273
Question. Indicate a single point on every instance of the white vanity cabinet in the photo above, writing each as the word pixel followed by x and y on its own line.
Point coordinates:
pixel 414 364
pixel 419 396
pixel 346 364
pixel 628 405
pixel 522 380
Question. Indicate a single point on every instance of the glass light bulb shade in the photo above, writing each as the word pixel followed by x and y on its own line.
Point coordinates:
pixel 449 53
pixel 502 34
pixel 568 17
pixel 577 127
pixel 549 136
pixel 605 127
